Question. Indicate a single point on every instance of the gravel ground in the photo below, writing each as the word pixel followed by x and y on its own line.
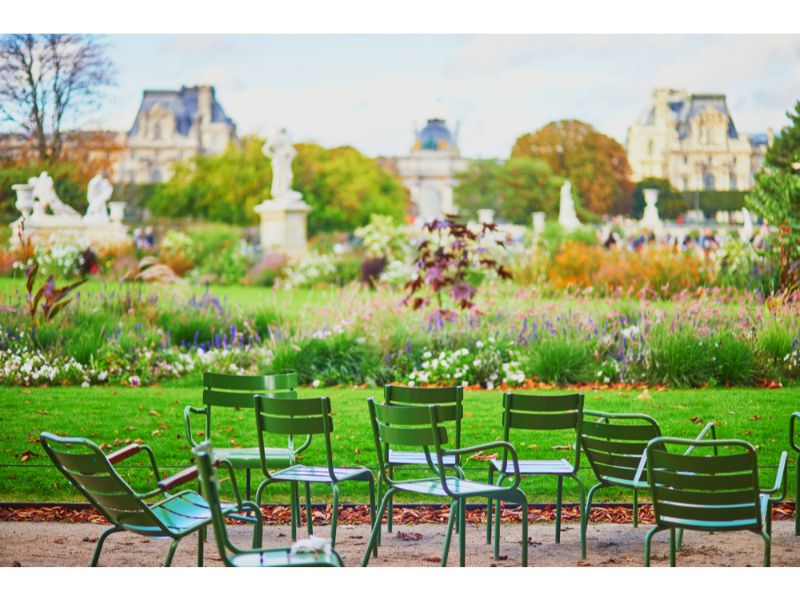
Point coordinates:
pixel 69 545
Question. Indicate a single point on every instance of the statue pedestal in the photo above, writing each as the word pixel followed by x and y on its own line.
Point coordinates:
pixel 284 227
pixel 95 233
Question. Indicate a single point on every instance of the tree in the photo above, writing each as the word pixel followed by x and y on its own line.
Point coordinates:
pixel 596 164
pixel 784 153
pixel 44 79
pixel 776 197
pixel 343 187
pixel 514 188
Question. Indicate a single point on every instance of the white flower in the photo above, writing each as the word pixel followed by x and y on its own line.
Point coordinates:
pixel 426 354
pixel 479 344
pixel 476 362
pixel 85 384
pixel 315 383
pixel 134 380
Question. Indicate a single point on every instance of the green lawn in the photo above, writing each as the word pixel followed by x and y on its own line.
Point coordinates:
pixel 111 415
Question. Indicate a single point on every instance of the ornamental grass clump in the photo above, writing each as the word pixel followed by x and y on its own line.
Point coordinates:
pixel 679 357
pixel 557 359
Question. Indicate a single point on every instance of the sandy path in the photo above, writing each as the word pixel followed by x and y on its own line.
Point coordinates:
pixel 57 544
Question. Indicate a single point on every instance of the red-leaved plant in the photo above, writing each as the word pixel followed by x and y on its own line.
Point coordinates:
pixel 451 264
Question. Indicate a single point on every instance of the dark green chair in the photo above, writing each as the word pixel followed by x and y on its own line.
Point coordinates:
pixel 720 492
pixel 615 445
pixel 173 516
pixel 236 392
pixel 539 413
pixel 309 417
pixel 423 427
pixel 794 442
pixel 232 555
pixel 452 401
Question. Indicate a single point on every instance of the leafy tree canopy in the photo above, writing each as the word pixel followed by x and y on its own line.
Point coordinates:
pixel 596 164
pixel 343 187
pixel 514 188
pixel 784 153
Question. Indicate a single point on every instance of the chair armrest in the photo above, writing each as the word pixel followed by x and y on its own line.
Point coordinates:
pixel 132 450
pixel 792 439
pixel 709 427
pixel 488 446
pixel 188 474
pixel 123 453
pixel 780 480
pixel 187 413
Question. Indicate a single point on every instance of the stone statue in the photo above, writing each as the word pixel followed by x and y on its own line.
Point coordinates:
pixel 281 152
pixel 650 219
pixel 98 194
pixel 567 217
pixel 45 193
pixel 748 229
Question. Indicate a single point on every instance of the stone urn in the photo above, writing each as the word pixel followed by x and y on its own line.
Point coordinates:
pixel 24 202
pixel 116 211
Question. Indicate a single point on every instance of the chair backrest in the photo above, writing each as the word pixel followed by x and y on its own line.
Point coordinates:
pixel 293 416
pixel 692 491
pixel 408 426
pixel 209 484
pixel 237 391
pixel 543 413
pixel 449 399
pixel 615 443
pixel 86 467
pixel 794 433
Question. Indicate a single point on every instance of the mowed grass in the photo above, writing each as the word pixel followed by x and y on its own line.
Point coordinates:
pixel 114 415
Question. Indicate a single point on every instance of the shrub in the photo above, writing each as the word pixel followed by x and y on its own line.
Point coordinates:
pixel 559 360
pixel 679 358
pixel 177 252
pixel 220 253
pixel 734 361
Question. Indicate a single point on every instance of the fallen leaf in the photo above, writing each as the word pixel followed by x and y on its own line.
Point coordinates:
pixel 562 447
pixel 42 412
pixel 695 420
pixel 434 559
pixel 645 395
pixel 412 536
pixel 153 412
pixel 755 418
pixel 483 457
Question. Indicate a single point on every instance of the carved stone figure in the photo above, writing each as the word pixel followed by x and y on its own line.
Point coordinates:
pixel 98 194
pixel 45 193
pixel 281 151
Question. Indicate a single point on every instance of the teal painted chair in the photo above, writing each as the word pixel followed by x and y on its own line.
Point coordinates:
pixel 614 445
pixel 423 428
pixel 526 412
pixel 234 556
pixel 720 492
pixel 794 442
pixel 172 516
pixel 451 399
pixel 309 417
pixel 236 392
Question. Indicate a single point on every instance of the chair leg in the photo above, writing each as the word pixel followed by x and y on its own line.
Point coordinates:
pixel 797 501
pixel 294 499
pixel 200 536
pixel 171 552
pixel 680 539
pixel 496 553
pixel 100 543
pixel 449 535
pixel 309 519
pixel 373 538
pixel 585 516
pixel 635 508
pixel 259 542
pixel 489 507
pixel 247 484
pixel 334 514
pixel 523 501
pixel 258 528
pixel 371 482
pixel 462 532
pixel 767 547
pixel 647 539
pixel 379 495
pixel 559 494
pixel 581 501
pixel 389 515
pixel 672 547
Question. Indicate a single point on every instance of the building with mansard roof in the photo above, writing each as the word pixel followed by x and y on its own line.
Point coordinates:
pixel 691 140
pixel 170 126
pixel 429 171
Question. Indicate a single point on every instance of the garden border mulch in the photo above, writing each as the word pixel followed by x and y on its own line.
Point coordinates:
pixel 358 514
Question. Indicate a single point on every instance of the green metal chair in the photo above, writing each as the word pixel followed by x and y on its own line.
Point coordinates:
pixel 232 555
pixel 173 516
pixel 615 445
pixel 309 417
pixel 236 392
pixel 539 413
pixel 452 401
pixel 794 442
pixel 709 493
pixel 422 426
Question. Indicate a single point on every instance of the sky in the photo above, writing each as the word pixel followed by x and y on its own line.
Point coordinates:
pixel 369 91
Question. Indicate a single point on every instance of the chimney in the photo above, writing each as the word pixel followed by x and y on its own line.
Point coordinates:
pixel 205 100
